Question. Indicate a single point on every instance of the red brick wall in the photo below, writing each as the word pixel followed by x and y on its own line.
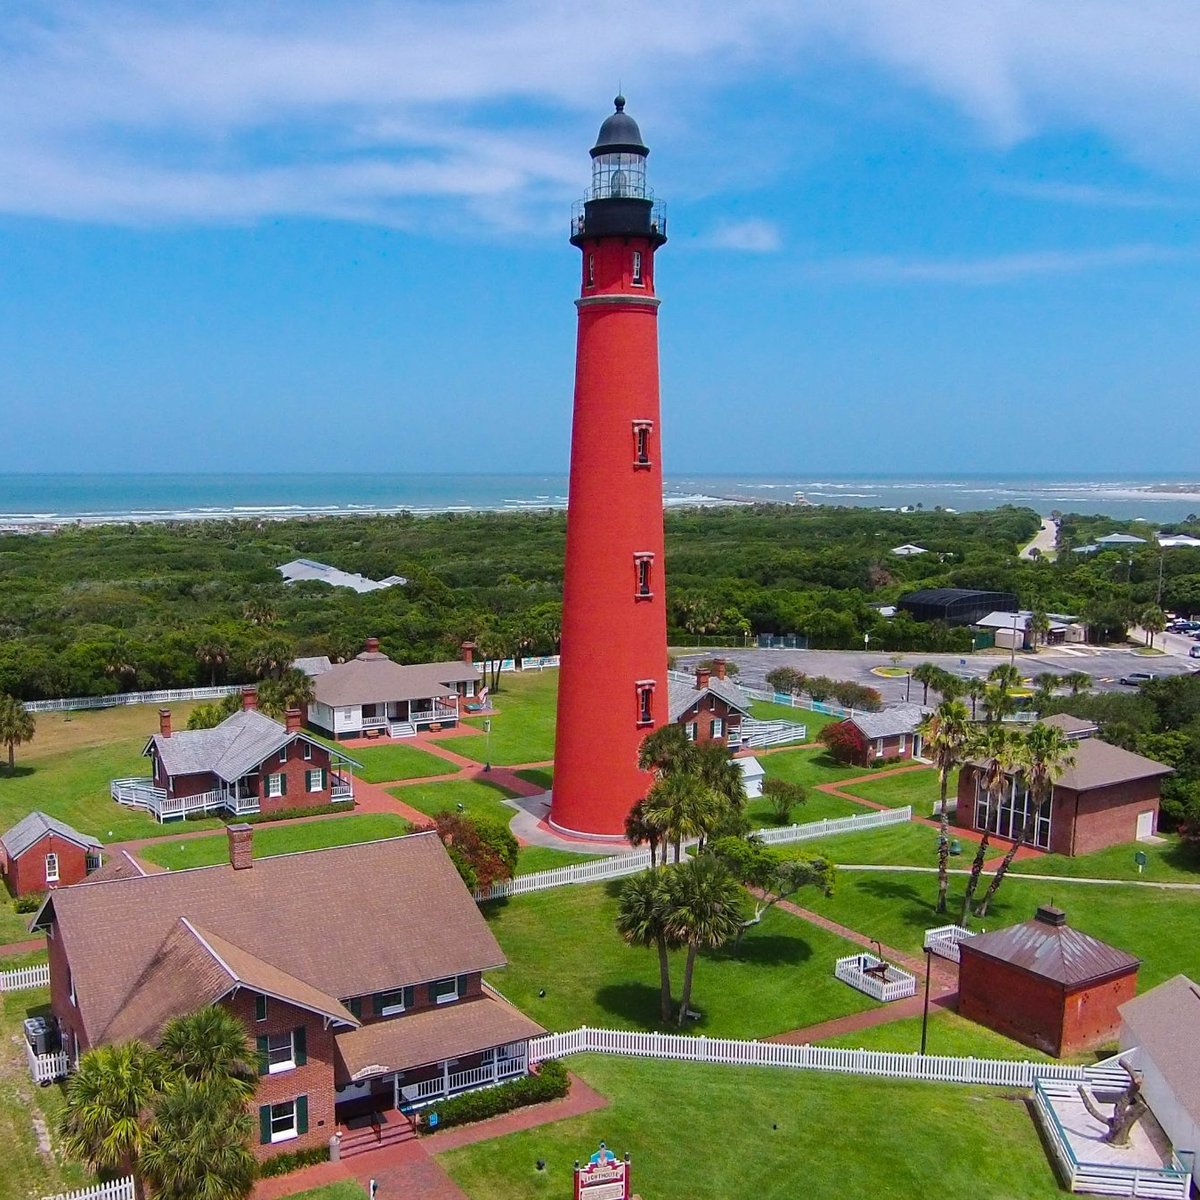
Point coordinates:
pixel 60 993
pixel 27 873
pixel 1091 1018
pixel 314 1079
pixel 1108 816
pixel 891 747
pixel 294 770
pixel 703 713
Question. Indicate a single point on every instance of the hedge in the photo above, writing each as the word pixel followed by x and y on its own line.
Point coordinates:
pixel 292 1160
pixel 550 1083
pixel 282 814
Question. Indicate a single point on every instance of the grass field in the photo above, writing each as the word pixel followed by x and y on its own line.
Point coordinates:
pixel 1171 862
pixel 280 839
pixel 808 767
pixel 565 942
pixel 909 845
pixel 348 1190
pixel 542 777
pixel 948 1034
pixel 382 764
pixel 819 806
pixel 764 710
pixel 898 788
pixel 522 726
pixel 725 1133
pixel 59 732
pixel 544 858
pixel 897 908
pixel 479 799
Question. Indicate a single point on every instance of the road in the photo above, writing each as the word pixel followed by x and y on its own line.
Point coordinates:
pixel 1045 542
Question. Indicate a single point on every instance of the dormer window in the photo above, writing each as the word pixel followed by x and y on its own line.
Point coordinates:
pixel 645 702
pixel 638 281
pixel 641 443
pixel 643 575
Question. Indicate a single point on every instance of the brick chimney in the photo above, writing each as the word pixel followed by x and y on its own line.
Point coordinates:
pixel 164 722
pixel 468 653
pixel 1048 914
pixel 293 719
pixel 241 846
pixel 719 668
pixel 372 645
pixel 702 677
pixel 249 698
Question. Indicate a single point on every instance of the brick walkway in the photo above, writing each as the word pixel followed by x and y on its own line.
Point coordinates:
pixel 25 947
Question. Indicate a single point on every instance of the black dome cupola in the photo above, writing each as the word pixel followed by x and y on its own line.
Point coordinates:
pixel 620 133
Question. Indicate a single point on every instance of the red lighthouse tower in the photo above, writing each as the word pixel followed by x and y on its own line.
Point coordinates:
pixel 612 687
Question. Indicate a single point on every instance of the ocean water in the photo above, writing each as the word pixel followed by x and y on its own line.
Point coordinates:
pixel 31 501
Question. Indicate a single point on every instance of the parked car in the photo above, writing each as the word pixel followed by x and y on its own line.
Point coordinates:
pixel 1194 652
pixel 1137 678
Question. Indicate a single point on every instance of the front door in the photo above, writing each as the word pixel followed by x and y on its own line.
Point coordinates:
pixel 1145 825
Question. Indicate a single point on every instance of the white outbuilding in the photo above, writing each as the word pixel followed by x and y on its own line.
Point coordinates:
pixel 752 775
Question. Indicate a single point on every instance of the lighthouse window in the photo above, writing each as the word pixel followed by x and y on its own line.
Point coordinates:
pixel 645 695
pixel 637 268
pixel 643 563
pixel 641 443
pixel 591 276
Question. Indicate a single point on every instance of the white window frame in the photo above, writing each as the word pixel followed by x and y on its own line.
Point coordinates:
pixel 274 785
pixel 283 1064
pixel 308 751
pixel 635 275
pixel 641 434
pixel 879 747
pixel 283 755
pixel 308 779
pixel 903 744
pixel 718 727
pixel 645 703
pixel 52 867
pixel 71 986
pixel 692 728
pixel 448 997
pixel 284 1134
pixel 387 1010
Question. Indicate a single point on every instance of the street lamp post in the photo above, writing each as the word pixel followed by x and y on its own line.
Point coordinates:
pixel 925 1014
pixel 487 729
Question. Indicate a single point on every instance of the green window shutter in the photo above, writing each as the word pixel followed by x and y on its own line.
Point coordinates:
pixel 300 1045
pixel 283 783
pixel 324 778
pixel 463 980
pixel 264 1124
pixel 264 1062
pixel 409 997
pixel 377 1004
pixel 260 1008
pixel 301 1114
pixel 355 1006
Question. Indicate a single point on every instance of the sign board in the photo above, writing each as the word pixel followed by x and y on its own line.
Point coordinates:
pixel 605 1177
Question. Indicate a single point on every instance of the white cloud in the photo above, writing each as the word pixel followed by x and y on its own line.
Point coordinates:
pixel 753 235
pixel 1088 195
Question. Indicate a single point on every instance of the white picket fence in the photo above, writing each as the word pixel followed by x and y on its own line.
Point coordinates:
pixel 681 1047
pixel 856 970
pixel 118 1189
pixel 45 1068
pixel 620 865
pixel 944 940
pixel 760 734
pixel 25 977
pixel 169 696
pixel 805 702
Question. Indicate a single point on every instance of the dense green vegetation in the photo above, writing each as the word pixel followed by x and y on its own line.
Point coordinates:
pixel 120 608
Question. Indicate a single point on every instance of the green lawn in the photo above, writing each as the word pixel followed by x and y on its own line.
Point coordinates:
pixel 348 1190
pixel 478 798
pixel 897 908
pixel 382 764
pixel 522 725
pixel 819 806
pixel 709 1132
pixel 898 788
pixel 25 1173
pixel 1171 862
pixel 948 1034
pixel 565 942
pixel 764 710
pixel 909 844
pixel 269 839
pixel 807 767
pixel 544 858
pixel 542 777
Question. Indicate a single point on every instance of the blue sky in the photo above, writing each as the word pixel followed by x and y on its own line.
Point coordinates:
pixel 905 235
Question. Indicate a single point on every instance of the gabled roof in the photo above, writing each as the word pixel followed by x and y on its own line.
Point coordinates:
pixel 1119 539
pixel 682 695
pixel 313 666
pixel 30 830
pixel 239 744
pixel 1165 1024
pixel 345 921
pixel 373 678
pixel 908 550
pixel 1073 727
pixel 1051 949
pixel 889 722
pixel 1100 764
pixel 122 865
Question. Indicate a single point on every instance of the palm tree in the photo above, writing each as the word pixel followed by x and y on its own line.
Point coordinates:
pixel 1039 627
pixel 215 656
pixel 639 831
pixel 1153 620
pixel 925 673
pixel 120 661
pixel 642 921
pixel 208 1044
pixel 293 689
pixel 998 704
pixel 16 727
pixel 665 750
pixel 1044 687
pixel 714 765
pixel 998 747
pixel 683 807
pixel 1077 681
pixel 1044 754
pixel 199 1149
pixel 1005 676
pixel 945 736
pixel 271 656
pixel 976 690
pixel 106 1122
pixel 704 912
pixel 259 611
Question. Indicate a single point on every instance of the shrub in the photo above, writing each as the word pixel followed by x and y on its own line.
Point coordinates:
pixel 786 680
pixel 283 814
pixel 29 903
pixel 292 1160
pixel 483 851
pixel 550 1082
pixel 783 797
pixel 890 761
pixel 819 687
pixel 844 743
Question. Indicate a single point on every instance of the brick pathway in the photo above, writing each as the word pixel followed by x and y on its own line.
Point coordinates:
pixel 304 1180
pixel 25 947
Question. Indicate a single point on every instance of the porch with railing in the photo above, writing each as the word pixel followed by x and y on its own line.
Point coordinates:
pixel 142 793
pixel 451 1083
pixel 437 714
pixel 341 787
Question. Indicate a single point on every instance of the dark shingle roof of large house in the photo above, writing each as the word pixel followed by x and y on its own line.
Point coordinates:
pixel 1165 1024
pixel 229 750
pixel 346 921
pixel 373 678
pixel 31 829
pixel 681 695
pixel 1047 946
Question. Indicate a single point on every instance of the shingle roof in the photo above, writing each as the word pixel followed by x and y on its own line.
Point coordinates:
pixel 31 829
pixel 345 921
pixel 1100 764
pixel 1052 951
pixel 1165 1023
pixel 682 695
pixel 889 722
pixel 1073 727
pixel 430 1036
pixel 313 666
pixel 228 750
pixel 373 678
pixel 118 866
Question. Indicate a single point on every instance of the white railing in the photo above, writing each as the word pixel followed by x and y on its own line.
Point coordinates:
pixel 758 734
pixel 441 1087
pixel 944 940
pixel 991 1072
pixel 118 1189
pixel 1108 1179
pixel 808 830
pixel 45 1068
pixel 25 977
pixel 122 698
pixel 141 793
pixel 858 970
pixel 805 702
pixel 619 865
pixel 374 722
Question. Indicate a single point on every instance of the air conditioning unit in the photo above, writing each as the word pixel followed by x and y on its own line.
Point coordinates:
pixel 42 1035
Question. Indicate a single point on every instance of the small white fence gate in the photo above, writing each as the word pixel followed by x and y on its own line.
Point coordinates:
pixel 24 978
pixel 945 939
pixel 873 977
